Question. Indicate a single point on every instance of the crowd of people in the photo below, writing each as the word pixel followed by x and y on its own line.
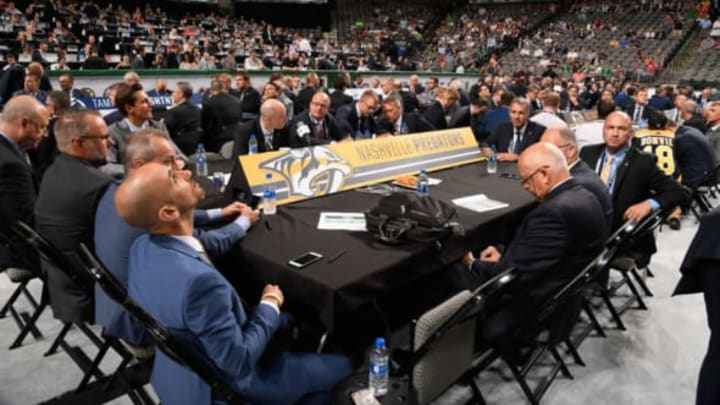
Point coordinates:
pixel 73 174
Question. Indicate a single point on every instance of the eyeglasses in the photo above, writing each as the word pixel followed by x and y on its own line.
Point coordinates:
pixel 538 170
pixel 39 126
pixel 320 105
pixel 101 137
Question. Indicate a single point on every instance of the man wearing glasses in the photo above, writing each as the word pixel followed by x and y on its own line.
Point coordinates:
pixel 315 126
pixel 359 115
pixel 22 126
pixel 65 207
pixel 553 243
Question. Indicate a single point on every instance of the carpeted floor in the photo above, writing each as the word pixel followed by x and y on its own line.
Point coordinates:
pixel 655 361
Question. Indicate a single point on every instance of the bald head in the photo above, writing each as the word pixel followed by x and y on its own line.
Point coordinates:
pixel 25 121
pixel 542 166
pixel 564 139
pixel 272 114
pixel 158 199
pixel 320 105
pixel 140 196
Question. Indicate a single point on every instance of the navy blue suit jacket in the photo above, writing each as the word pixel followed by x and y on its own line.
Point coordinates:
pixel 113 238
pixel 347 114
pixel 174 283
pixel 435 115
pixel 503 135
pixel 553 243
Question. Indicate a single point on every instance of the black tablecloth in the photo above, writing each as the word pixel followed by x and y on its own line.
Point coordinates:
pixel 337 294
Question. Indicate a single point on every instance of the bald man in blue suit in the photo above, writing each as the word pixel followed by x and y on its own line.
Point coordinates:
pixel 172 279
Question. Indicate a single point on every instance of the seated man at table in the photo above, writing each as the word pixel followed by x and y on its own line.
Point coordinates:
pixel 171 278
pixel 553 243
pixel 315 126
pixel 113 236
pixel 513 137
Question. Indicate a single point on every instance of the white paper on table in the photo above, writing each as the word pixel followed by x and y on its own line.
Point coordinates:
pixel 342 221
pixel 479 203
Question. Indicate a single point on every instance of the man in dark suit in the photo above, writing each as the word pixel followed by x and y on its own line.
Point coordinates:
pixel 160 89
pixel 11 78
pixel 690 116
pixel 250 99
pixel 711 113
pixel 204 310
pixel 66 84
pixel 113 236
pixel 564 139
pixel 220 116
pixel 183 119
pixel 338 98
pixel 315 126
pixel 639 110
pixel 22 126
pixel 636 185
pixel 359 115
pixel 268 129
pixel 65 207
pixel 553 243
pixel 32 88
pixel 435 113
pixel 312 85
pixel 694 156
pixel 512 138
pixel 397 122
pixel 701 273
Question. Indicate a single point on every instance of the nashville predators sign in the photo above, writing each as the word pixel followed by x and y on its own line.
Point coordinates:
pixel 302 173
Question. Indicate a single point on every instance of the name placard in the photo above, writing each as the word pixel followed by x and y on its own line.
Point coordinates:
pixel 310 172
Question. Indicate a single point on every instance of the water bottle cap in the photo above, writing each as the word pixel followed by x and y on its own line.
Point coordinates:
pixel 252 136
pixel 200 145
pixel 380 343
pixel 423 171
pixel 268 176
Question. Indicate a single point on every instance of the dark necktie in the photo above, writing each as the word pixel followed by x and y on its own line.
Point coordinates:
pixel 518 141
pixel 320 130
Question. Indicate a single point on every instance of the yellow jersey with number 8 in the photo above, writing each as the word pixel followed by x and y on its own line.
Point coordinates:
pixel 658 142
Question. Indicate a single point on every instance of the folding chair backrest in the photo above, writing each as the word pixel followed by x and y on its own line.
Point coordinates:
pixel 621 235
pixel 451 355
pixel 443 339
pixel 165 341
pixel 49 254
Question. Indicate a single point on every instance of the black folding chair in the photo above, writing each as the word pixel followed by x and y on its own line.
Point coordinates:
pixel 54 260
pixel 545 330
pixel 165 341
pixel 22 277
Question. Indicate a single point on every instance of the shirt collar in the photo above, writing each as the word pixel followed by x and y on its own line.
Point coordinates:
pixel 133 128
pixel 190 241
pixel 264 130
pixel 619 154
pixel 15 145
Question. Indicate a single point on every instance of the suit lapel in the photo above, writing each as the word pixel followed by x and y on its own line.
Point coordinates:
pixel 622 171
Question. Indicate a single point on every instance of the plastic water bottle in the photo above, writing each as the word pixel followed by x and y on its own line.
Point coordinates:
pixel 269 196
pixel 252 145
pixel 492 161
pixel 422 184
pixel 378 382
pixel 201 165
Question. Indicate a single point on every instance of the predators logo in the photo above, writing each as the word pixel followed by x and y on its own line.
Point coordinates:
pixel 310 171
